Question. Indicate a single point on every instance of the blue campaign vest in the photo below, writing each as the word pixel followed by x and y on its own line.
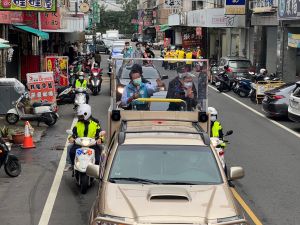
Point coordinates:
pixel 131 89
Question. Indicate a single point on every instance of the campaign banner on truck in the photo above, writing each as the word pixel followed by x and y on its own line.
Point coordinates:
pixel 28 5
pixel 59 66
pixel 41 87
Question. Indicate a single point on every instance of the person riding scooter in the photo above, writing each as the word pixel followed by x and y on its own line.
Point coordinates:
pixel 87 126
pixel 82 83
pixel 216 129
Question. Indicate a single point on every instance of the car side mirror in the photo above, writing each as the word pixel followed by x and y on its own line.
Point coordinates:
pixel 236 173
pixel 230 132
pixel 165 77
pixel 93 170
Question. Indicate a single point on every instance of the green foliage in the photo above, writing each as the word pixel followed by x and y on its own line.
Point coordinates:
pixel 5 132
pixel 119 20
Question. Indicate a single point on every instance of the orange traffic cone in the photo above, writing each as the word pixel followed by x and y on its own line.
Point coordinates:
pixel 28 141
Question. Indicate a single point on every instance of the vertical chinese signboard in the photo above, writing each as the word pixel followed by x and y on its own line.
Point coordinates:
pixel 50 21
pixel 190 39
pixel 41 87
pixel 59 66
pixel 288 9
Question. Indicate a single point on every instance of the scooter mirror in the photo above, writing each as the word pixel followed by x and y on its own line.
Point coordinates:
pixel 69 132
pixel 230 132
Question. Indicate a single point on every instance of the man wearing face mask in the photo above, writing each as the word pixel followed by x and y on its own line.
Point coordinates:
pixel 82 83
pixel 216 129
pixel 138 53
pixel 182 87
pixel 137 89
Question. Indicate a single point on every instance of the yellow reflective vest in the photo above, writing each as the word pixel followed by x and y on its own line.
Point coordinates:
pixel 91 131
pixel 216 127
pixel 80 84
pixel 189 55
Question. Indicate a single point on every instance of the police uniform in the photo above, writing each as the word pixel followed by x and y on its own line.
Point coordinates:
pixel 80 84
pixel 90 128
pixel 216 130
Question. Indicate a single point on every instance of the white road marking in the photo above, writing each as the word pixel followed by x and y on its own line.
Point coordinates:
pixel 258 113
pixel 47 211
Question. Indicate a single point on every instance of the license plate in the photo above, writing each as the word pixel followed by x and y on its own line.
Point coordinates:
pixel 240 74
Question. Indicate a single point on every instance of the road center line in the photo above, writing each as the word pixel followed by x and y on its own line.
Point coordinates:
pixel 259 114
pixel 47 211
pixel 246 207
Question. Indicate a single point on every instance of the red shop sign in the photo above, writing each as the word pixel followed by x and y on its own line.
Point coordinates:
pixel 10 17
pixel 50 21
pixel 30 19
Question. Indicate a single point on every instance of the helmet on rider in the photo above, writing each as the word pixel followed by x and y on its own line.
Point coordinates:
pixel 213 114
pixel 81 75
pixel 263 71
pixel 84 112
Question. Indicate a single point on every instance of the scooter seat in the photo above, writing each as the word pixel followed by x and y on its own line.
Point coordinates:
pixel 38 104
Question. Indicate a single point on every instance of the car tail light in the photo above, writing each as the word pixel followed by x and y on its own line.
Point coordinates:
pixel 221 153
pixel 277 97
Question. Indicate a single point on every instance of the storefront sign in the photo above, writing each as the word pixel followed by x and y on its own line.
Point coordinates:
pixel 50 21
pixel 59 66
pixel 294 40
pixel 172 4
pixel 41 87
pixel 288 9
pixel 235 7
pixel 28 5
pixel 190 39
pixel 214 18
pixel 263 6
pixel 174 20
pixel 10 17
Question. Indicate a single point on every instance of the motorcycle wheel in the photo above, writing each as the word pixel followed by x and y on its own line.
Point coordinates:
pixel 12 118
pixel 12 167
pixel 84 180
pixel 253 96
pixel 52 120
pixel 95 91
pixel 242 94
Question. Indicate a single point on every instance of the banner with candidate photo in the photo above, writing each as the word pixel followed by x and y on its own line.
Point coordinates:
pixel 235 7
pixel 41 87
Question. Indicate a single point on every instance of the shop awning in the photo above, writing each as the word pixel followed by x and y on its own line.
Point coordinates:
pixel 36 32
pixel 164 27
pixel 2 46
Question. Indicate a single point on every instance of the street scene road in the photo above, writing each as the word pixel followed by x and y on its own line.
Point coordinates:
pixel 268 153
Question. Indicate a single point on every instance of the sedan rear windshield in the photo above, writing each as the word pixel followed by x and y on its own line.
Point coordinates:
pixel 195 165
pixel 239 64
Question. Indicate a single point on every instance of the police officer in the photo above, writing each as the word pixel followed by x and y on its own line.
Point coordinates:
pixel 82 83
pixel 216 129
pixel 87 126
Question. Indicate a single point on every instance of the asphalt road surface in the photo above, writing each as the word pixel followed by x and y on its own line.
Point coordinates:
pixel 268 153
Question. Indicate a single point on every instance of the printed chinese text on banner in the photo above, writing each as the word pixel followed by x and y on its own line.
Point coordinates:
pixel 235 7
pixel 41 87
pixel 28 5
pixel 59 66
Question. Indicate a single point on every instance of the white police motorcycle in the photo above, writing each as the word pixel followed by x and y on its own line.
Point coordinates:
pixel 80 97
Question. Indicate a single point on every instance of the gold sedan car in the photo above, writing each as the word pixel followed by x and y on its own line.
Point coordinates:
pixel 163 172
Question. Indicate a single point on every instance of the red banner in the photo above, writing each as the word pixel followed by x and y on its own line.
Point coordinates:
pixel 50 21
pixel 10 17
pixel 41 87
pixel 59 66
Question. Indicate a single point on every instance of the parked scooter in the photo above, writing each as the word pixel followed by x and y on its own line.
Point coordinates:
pixel 11 163
pixel 220 146
pixel 242 86
pixel 223 82
pixel 80 97
pixel 96 80
pixel 65 96
pixel 41 112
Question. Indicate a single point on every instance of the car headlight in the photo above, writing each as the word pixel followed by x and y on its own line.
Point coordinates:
pixel 120 90
pixel 85 142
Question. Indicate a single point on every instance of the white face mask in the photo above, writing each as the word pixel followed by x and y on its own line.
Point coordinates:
pixel 188 84
pixel 80 77
pixel 213 118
